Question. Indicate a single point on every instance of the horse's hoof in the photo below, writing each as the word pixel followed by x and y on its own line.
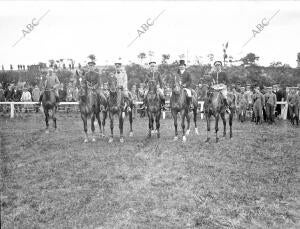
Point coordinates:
pixel 158 135
pixel 175 138
pixel 47 131
pixel 122 140
pixel 187 132
pixel 196 131
pixel 217 140
pixel 184 139
pixel 110 140
pixel 207 140
pixel 224 135
pixel 93 139
pixel 86 140
pixel 131 134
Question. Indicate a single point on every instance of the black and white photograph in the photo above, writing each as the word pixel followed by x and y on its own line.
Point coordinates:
pixel 149 114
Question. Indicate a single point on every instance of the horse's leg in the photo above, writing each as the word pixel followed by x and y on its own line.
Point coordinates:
pixel 47 120
pixel 84 119
pixel 230 124
pixel 207 127
pixel 111 117
pixel 224 123
pixel 54 118
pixel 157 121
pixel 183 116
pixel 93 126
pixel 174 114
pixel 188 119
pixel 195 120
pixel 99 122
pixel 130 114
pixel 104 113
pixel 121 121
pixel 149 123
pixel 217 127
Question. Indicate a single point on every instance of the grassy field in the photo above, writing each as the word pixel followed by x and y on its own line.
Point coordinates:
pixel 56 181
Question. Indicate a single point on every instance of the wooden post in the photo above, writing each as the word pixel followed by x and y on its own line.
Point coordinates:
pixel 12 110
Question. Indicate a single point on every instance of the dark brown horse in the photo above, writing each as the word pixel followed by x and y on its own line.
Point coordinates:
pixel 153 108
pixel 178 104
pixel 91 104
pixel 49 104
pixel 214 106
pixel 119 105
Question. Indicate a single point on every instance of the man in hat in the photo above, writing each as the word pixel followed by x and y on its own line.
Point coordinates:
pixel 36 93
pixel 220 80
pixel 270 104
pixel 91 78
pixel 52 82
pixel 185 80
pixel 258 103
pixel 122 79
pixel 249 95
pixel 155 75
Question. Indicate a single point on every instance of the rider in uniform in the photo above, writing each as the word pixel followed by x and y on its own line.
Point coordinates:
pixel 52 82
pixel 155 75
pixel 122 79
pixel 220 81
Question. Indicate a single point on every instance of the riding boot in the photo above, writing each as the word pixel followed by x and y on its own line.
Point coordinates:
pixel 57 99
pixel 163 102
pixel 226 106
pixel 40 100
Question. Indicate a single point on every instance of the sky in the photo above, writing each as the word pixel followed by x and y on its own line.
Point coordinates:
pixel 75 29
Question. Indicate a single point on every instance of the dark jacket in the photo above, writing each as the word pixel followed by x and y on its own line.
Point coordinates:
pixel 91 77
pixel 222 78
pixel 156 76
pixel 185 78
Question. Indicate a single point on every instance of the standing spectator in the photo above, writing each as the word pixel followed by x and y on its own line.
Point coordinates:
pixel 75 94
pixel 2 97
pixel 70 90
pixel 270 104
pixel 258 102
pixel 293 105
pixel 36 93
pixel 62 93
pixel 17 97
pixel 26 97
pixel 9 93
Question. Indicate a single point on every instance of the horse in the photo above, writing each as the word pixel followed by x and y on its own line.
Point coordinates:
pixel 294 113
pixel 118 105
pixel 153 108
pixel 178 104
pixel 49 103
pixel 91 104
pixel 214 106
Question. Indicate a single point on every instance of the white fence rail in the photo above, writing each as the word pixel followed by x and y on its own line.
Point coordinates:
pixel 12 105
pixel 284 107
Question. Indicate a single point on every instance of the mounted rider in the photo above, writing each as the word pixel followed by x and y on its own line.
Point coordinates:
pixel 154 75
pixel 51 83
pixel 91 77
pixel 185 80
pixel 219 82
pixel 121 78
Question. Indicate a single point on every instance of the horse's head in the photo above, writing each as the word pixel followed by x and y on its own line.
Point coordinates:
pixel 152 86
pixel 176 88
